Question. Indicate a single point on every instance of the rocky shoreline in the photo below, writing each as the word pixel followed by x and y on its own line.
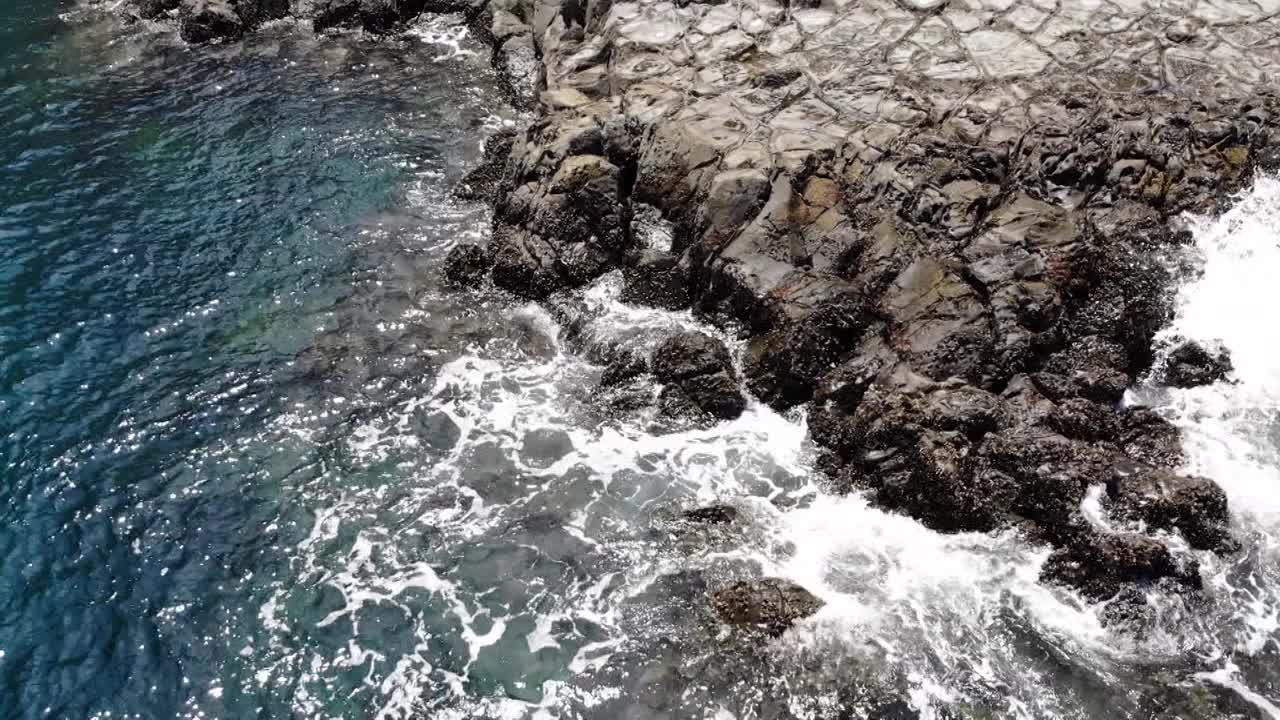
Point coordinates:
pixel 949 227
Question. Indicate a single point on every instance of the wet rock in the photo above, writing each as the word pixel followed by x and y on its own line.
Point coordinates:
pixel 716 395
pixel 784 366
pixel 1190 364
pixel 1149 438
pixel 770 604
pixel 1103 564
pixel 689 354
pixel 206 20
pixel 255 12
pixel 482 181
pixel 622 369
pixel 961 270
pixel 378 16
pixel 656 278
pixel 1194 506
pixel 466 265
pixel 711 514
pixel 152 9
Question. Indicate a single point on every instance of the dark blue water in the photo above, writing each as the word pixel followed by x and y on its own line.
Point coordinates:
pixel 196 246
pixel 256 462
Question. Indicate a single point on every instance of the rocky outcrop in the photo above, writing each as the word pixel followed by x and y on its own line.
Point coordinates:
pixel 943 226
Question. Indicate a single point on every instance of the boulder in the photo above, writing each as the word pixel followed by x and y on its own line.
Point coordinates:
pixel 699 377
pixel 466 265
pixel 769 604
pixel 206 20
pixel 1100 565
pixel 1194 506
pixel 689 354
pixel 1190 364
pixel 711 514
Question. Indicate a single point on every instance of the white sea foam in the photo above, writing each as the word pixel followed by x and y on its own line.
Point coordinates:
pixel 956 619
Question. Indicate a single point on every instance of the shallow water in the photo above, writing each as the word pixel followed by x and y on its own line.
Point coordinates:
pixel 259 463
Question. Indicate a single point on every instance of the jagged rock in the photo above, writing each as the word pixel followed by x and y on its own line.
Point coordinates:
pixel 1194 506
pixel 622 369
pixel 380 16
pixel 689 354
pixel 1103 564
pixel 466 265
pixel 152 9
pixel 1190 364
pixel 656 278
pixel 770 604
pixel 255 12
pixel 699 377
pixel 205 20
pixel 482 181
pixel 783 367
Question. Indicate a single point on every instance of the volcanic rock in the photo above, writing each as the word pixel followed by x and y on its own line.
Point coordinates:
pixel 466 265
pixel 769 604
pixel 699 377
pixel 1190 364
pixel 205 20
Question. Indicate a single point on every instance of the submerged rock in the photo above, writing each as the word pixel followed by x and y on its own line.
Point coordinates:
pixel 711 514
pixel 770 604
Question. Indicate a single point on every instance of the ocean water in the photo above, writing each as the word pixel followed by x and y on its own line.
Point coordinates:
pixel 257 462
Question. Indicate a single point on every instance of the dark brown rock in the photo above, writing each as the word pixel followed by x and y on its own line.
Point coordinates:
pixel 467 265
pixel 1190 364
pixel 206 20
pixel 770 604
pixel 1104 564
pixel 711 514
pixel 656 278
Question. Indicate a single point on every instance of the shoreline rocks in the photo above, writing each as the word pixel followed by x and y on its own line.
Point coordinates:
pixel 944 226
pixel 941 233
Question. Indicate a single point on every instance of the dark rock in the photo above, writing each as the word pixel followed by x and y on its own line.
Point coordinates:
pixel 622 369
pixel 783 367
pixel 712 514
pixel 715 394
pixel 1150 439
pixel 689 354
pixel 699 378
pixel 483 180
pixel 1103 564
pixel 1194 506
pixel 466 265
pixel 770 604
pixel 1190 364
pixel 656 278
pixel 151 9
pixel 206 20
pixel 378 16
pixel 255 12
